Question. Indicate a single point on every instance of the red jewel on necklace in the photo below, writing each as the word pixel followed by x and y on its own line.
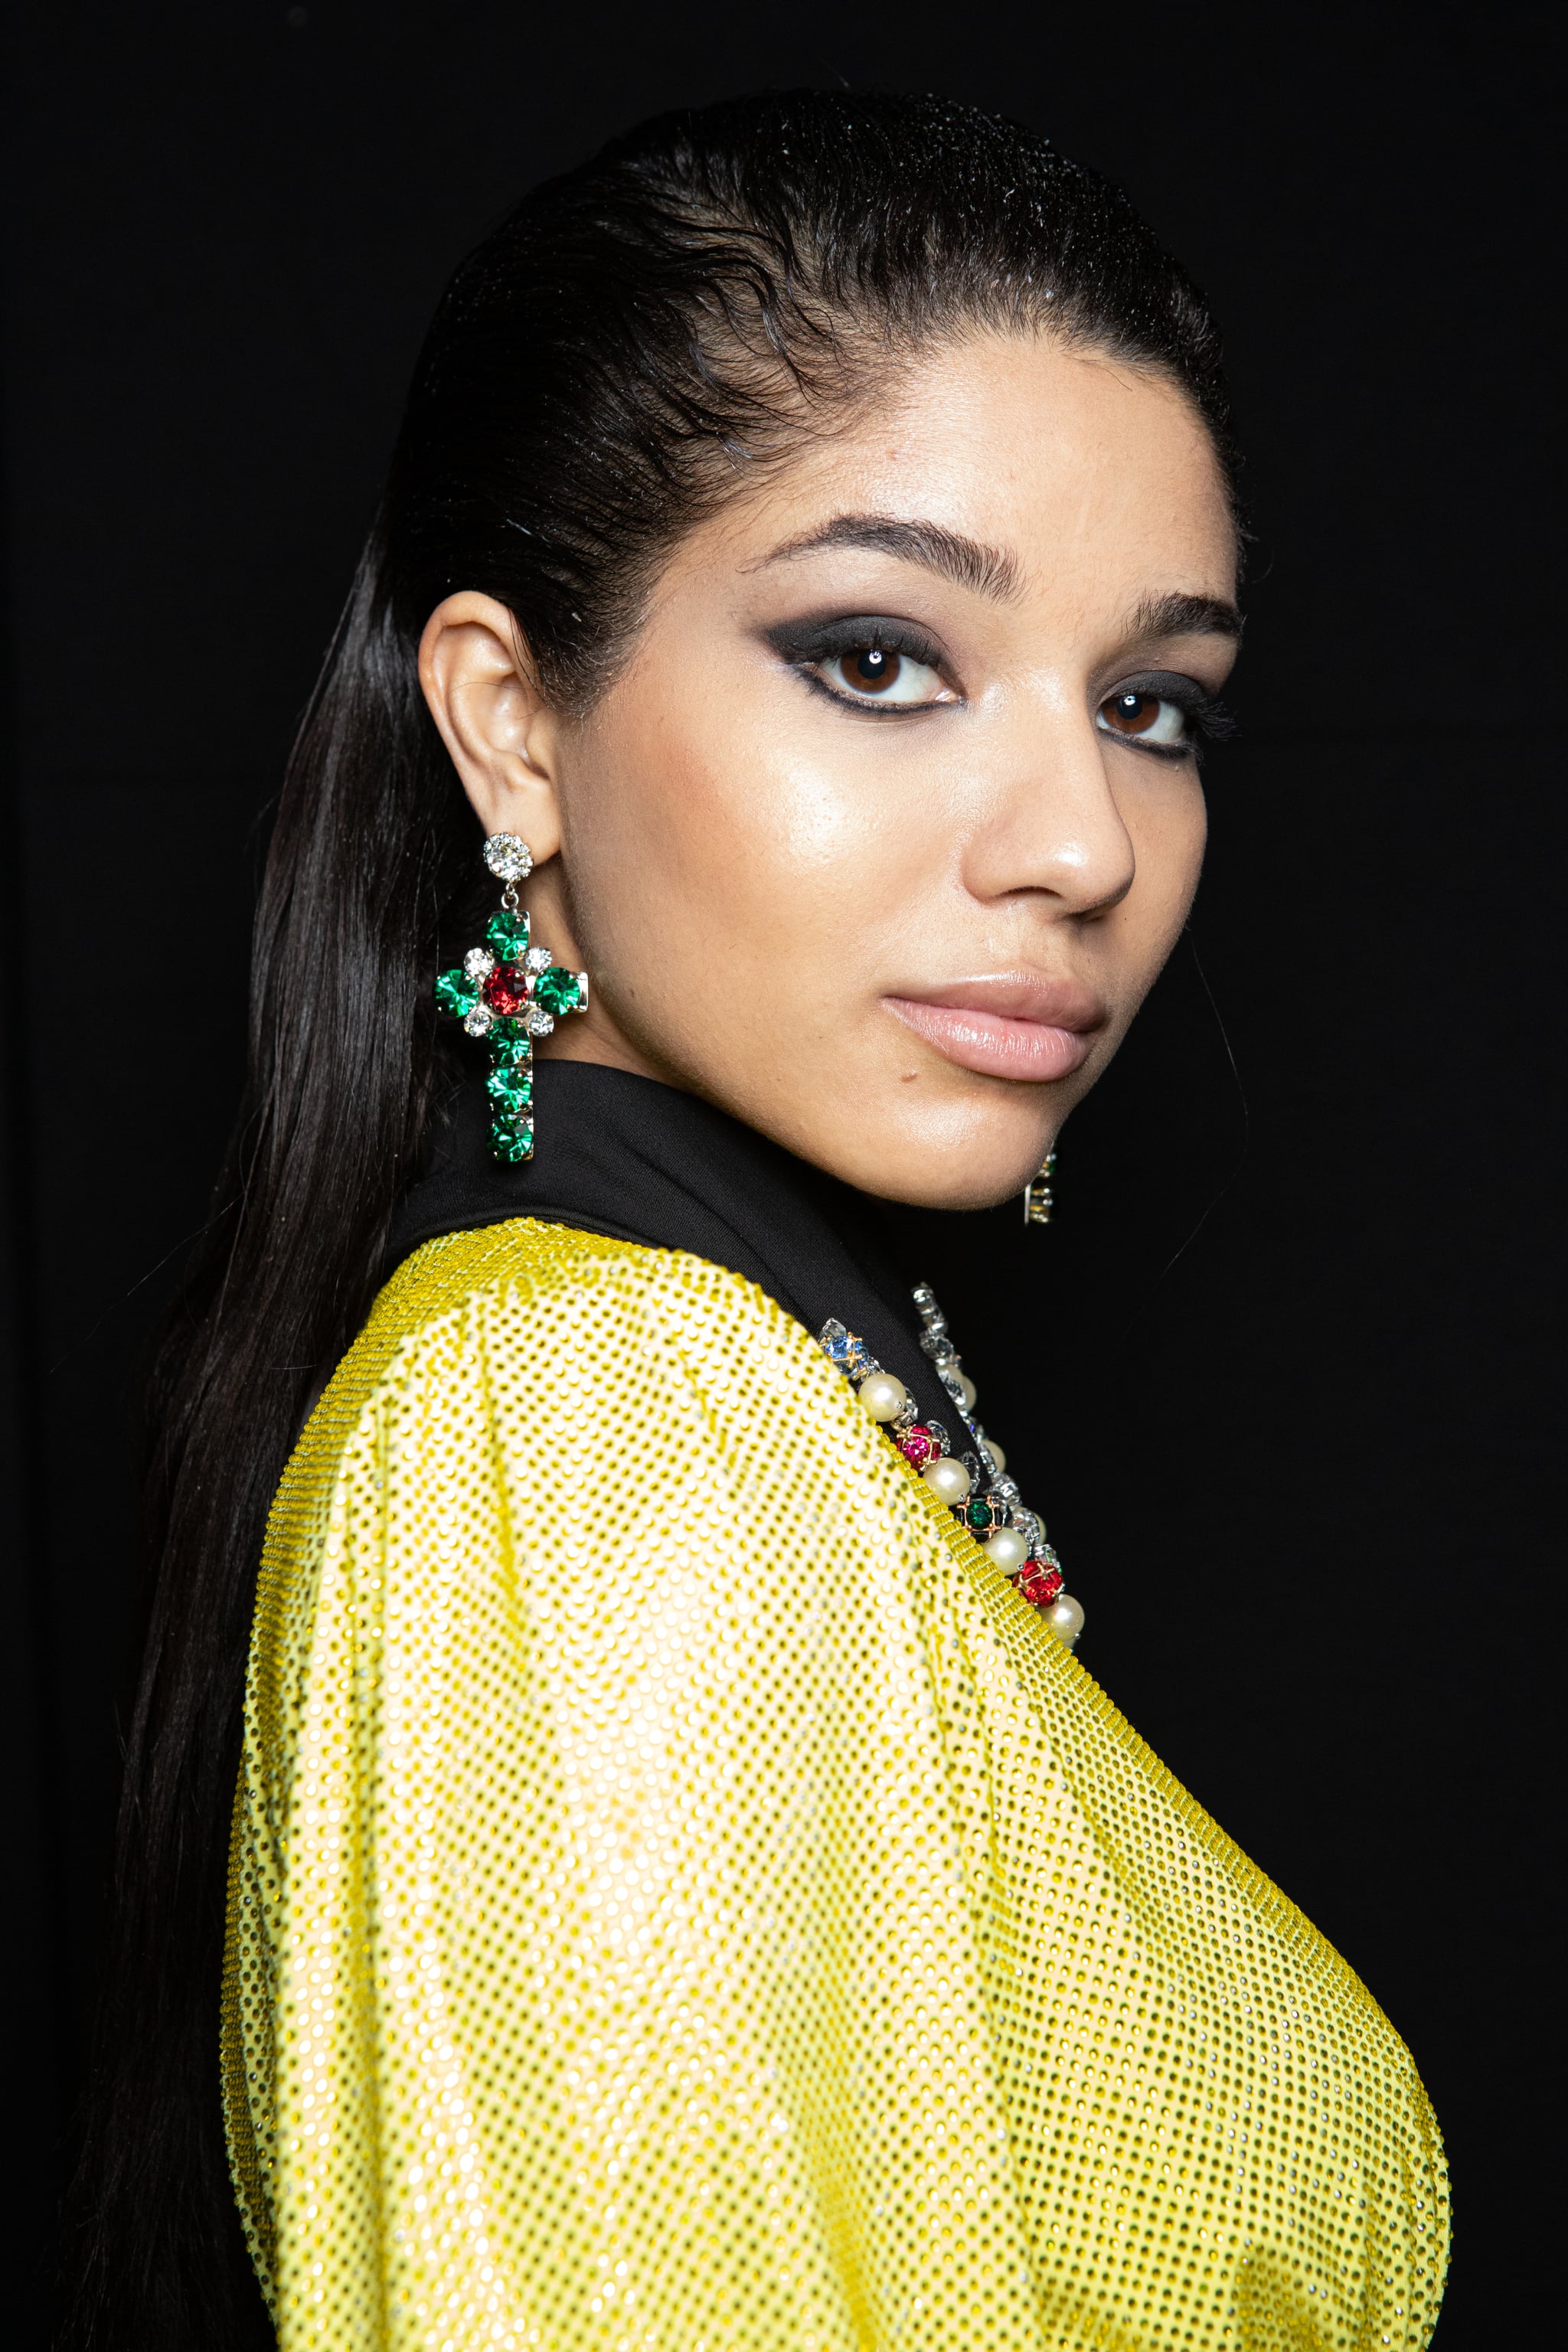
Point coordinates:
pixel 1040 1583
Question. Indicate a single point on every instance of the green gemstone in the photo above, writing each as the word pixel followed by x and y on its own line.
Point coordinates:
pixel 509 1041
pixel 509 1085
pixel 456 993
pixel 977 1513
pixel 558 990
pixel 513 1140
pixel 507 935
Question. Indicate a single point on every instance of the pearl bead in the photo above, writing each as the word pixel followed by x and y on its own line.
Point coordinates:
pixel 948 1479
pixel 967 1391
pixel 1006 1550
pixel 883 1395
pixel 1064 1619
pixel 996 1454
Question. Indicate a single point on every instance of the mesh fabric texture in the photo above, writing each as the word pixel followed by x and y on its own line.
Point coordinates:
pixel 683 1898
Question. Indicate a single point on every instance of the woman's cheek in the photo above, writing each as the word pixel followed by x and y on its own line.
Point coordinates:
pixel 1168 841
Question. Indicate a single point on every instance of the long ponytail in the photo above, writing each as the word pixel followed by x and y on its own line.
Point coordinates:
pixel 369 839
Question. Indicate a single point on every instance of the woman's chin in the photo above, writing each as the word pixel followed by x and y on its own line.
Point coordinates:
pixel 957 1191
pixel 947 1156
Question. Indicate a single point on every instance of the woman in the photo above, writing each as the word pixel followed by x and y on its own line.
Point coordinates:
pixel 685 1891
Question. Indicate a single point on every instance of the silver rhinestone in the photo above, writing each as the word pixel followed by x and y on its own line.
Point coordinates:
pixel 951 1383
pixel 540 960
pixel 538 1021
pixel 1006 1489
pixel 1025 1524
pixel 509 857
pixel 479 963
pixel 477 1022
pixel 938 1436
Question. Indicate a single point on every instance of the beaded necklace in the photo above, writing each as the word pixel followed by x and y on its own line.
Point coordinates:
pixel 973 1484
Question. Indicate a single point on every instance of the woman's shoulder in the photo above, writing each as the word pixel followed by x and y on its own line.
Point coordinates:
pixel 473 1322
pixel 519 1384
pixel 532 1290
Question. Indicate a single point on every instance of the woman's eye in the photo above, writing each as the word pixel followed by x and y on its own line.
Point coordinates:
pixel 1151 719
pixel 876 674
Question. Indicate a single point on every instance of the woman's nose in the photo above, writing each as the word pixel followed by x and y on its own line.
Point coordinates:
pixel 1052 824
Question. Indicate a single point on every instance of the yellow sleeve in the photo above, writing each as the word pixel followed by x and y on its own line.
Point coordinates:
pixel 682 1898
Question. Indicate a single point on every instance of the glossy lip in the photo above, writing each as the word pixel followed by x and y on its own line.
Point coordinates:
pixel 1007 1025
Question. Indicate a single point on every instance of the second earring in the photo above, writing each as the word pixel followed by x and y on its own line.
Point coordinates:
pixel 1037 1192
pixel 509 992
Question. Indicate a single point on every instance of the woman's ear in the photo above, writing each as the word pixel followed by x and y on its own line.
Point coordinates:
pixel 493 721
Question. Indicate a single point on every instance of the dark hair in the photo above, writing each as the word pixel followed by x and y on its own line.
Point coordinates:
pixel 633 343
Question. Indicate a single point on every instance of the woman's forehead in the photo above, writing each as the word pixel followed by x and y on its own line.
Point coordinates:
pixel 1002 464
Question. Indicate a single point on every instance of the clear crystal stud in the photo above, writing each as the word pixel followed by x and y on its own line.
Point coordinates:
pixel 509 857
pixel 478 1021
pixel 540 960
pixel 479 963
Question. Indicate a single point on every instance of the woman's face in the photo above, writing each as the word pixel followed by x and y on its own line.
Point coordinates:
pixel 892 816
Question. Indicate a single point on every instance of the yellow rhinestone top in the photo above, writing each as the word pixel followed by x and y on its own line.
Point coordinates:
pixel 682 1898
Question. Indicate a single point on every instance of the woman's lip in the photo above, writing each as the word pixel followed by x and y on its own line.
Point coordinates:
pixel 1006 1045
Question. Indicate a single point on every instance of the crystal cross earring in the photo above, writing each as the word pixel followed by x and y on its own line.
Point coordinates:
pixel 1038 1193
pixel 508 994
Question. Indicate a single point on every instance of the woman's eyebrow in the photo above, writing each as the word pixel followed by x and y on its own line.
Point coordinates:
pixel 968 562
pixel 992 572
pixel 1180 616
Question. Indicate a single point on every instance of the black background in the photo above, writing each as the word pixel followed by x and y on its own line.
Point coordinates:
pixel 1295 1459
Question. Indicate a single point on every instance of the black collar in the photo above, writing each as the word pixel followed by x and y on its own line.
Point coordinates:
pixel 625 1156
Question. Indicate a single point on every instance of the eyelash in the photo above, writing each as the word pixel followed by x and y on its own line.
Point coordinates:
pixel 1208 720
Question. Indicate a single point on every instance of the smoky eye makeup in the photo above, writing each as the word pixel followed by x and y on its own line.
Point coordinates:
pixel 866 661
pixel 1165 713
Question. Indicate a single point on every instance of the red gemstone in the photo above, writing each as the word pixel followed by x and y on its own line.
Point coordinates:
pixel 506 990
pixel 1040 1583
pixel 917 1445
